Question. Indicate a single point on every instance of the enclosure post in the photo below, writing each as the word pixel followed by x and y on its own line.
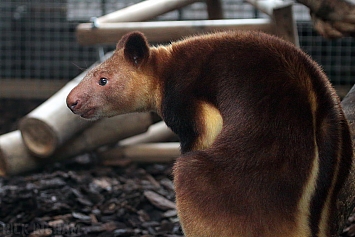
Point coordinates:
pixel 285 25
pixel 214 9
pixel 282 15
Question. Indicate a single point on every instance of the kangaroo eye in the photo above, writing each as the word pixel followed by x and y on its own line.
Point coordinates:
pixel 102 81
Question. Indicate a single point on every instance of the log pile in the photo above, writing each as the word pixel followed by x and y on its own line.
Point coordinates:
pixel 102 137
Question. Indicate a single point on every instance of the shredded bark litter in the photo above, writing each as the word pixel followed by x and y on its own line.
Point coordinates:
pixel 76 199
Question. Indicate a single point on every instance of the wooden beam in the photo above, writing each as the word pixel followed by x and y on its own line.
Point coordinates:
pixel 29 88
pixel 40 88
pixel 165 31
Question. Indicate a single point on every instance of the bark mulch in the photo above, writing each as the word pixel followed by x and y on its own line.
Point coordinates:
pixel 81 198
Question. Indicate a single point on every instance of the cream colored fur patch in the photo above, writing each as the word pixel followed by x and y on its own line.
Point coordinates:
pixel 325 212
pixel 305 202
pixel 212 122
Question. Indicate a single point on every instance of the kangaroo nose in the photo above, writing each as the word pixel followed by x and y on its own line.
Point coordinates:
pixel 73 105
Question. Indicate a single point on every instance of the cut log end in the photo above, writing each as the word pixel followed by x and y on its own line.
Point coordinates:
pixel 38 136
pixel 14 156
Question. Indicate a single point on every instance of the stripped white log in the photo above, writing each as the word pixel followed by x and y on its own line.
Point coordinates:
pixel 14 156
pixel 143 11
pixel 158 132
pixel 165 31
pixel 107 131
pixel 145 153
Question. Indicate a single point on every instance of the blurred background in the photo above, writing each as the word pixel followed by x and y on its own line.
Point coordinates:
pixel 38 44
pixel 37 38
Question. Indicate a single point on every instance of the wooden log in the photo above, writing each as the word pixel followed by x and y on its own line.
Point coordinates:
pixel 51 124
pixel 143 11
pixel 158 132
pixel 151 152
pixel 14 156
pixel 346 198
pixel 166 31
pixel 13 88
pixel 107 131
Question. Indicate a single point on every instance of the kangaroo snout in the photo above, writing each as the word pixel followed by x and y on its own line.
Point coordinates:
pixel 73 103
pixel 81 107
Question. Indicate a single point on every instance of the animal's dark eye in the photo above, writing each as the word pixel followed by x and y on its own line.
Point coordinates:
pixel 102 81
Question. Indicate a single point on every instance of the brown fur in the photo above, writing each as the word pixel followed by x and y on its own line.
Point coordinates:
pixel 265 145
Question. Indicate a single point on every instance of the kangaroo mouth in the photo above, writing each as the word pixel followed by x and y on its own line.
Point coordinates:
pixel 88 114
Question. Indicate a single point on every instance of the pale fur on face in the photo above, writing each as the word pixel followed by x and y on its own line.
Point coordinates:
pixel 128 89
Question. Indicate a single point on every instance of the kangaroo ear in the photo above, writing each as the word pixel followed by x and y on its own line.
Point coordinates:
pixel 135 46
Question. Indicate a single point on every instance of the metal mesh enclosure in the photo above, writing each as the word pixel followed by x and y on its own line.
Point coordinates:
pixel 336 56
pixel 37 39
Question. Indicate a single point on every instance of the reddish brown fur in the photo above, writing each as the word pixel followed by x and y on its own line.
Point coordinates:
pixel 265 144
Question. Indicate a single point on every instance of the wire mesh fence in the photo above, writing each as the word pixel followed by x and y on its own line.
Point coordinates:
pixel 37 39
